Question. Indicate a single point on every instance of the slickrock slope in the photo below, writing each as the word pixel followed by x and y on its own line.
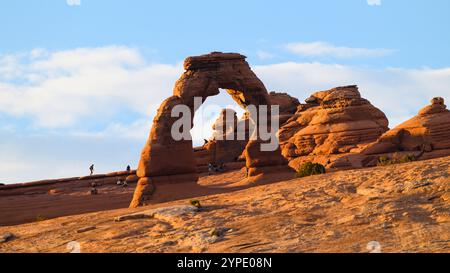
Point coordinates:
pixel 27 202
pixel 335 121
pixel 405 208
pixel 427 132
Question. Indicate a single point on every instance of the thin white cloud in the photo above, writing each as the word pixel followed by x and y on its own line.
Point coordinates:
pixel 324 49
pixel 135 130
pixel 73 2
pixel 62 88
pixel 374 2
pixel 264 55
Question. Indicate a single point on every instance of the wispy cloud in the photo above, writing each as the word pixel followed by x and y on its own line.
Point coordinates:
pixel 264 55
pixel 73 2
pixel 374 2
pixel 324 49
pixel 60 89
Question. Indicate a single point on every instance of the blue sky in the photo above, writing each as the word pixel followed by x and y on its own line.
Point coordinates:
pixel 172 30
pixel 80 83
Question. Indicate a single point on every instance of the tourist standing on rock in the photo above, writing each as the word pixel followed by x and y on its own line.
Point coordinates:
pixel 91 168
pixel 128 168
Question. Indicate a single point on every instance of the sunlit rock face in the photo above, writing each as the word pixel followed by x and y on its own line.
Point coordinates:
pixel 334 121
pixel 428 131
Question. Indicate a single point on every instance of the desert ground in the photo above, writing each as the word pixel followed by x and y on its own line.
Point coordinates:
pixel 395 208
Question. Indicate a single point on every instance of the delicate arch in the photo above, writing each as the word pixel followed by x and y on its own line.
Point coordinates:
pixel 162 156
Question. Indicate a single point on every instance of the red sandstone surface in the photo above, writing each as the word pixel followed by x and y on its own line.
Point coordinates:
pixel 404 207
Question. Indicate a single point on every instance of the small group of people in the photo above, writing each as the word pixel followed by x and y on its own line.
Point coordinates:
pixel 213 168
pixel 122 183
pixel 91 169
pixel 94 190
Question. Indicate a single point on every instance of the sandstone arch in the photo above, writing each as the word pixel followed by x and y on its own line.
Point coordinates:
pixel 204 75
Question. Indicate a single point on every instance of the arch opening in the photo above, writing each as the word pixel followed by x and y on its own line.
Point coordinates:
pixel 209 113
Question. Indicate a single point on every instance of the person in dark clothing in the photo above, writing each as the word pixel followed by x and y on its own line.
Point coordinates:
pixel 128 168
pixel 91 168
pixel 210 168
pixel 94 191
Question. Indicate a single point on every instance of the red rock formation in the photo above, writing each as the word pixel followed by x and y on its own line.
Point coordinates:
pixel 288 105
pixel 225 146
pixel 225 125
pixel 428 131
pixel 163 156
pixel 332 122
